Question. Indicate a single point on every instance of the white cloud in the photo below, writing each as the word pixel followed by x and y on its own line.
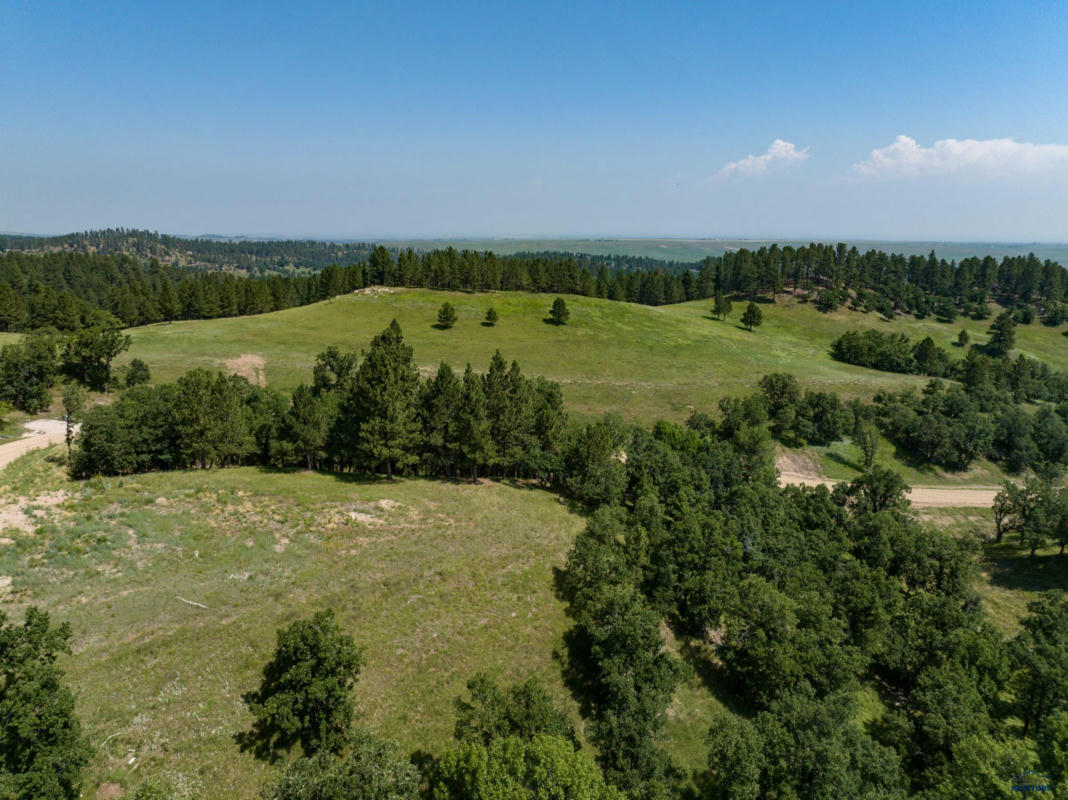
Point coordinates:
pixel 779 151
pixel 983 156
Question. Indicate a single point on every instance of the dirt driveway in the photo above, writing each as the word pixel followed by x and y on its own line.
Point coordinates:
pixel 795 468
pixel 39 433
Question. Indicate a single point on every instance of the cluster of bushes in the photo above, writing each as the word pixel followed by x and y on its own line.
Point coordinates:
pixel 946 425
pixel 30 368
pixel 891 352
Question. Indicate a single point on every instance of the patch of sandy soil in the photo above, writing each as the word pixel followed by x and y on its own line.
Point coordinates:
pixel 802 469
pixel 14 516
pixel 109 791
pixel 250 366
pixel 39 433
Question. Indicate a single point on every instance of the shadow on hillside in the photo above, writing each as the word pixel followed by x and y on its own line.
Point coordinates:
pixel 701 658
pixel 838 458
pixel 1011 567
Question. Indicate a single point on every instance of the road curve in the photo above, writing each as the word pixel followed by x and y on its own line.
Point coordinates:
pixel 39 433
pixel 921 496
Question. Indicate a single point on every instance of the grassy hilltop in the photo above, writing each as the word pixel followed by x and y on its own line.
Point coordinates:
pixel 643 362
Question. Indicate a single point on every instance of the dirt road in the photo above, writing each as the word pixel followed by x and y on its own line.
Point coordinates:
pixel 921 496
pixel 39 433
pixel 800 467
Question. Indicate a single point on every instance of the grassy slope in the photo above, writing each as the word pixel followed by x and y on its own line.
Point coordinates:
pixel 1010 577
pixel 436 580
pixel 645 363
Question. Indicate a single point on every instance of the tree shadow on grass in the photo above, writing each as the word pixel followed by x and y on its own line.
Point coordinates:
pixel 578 670
pixel 701 658
pixel 838 458
pixel 439 327
pixel 551 321
pixel 1011 567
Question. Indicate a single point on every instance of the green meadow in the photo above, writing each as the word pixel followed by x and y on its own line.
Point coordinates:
pixel 642 362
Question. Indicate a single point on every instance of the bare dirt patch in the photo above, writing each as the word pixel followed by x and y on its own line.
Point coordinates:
pixel 16 516
pixel 109 791
pixel 249 366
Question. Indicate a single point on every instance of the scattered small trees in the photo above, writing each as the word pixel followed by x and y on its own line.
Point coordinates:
pixel 305 695
pixel 753 316
pixel 491 317
pixel 446 316
pixel 963 338
pixel 722 306
pixel 559 313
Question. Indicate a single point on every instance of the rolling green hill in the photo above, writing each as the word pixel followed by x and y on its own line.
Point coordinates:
pixel 639 361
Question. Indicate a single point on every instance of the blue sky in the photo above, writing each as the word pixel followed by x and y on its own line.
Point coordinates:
pixel 471 118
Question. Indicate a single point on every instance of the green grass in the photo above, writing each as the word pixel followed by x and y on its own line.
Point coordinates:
pixel 842 461
pixel 435 580
pixel 1009 577
pixel 642 362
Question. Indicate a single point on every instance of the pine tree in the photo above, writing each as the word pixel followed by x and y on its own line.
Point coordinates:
pixel 1002 335
pixel 753 316
pixel 446 315
pixel 962 338
pixel 722 306
pixel 308 423
pixel 473 434
pixel 491 317
pixel 385 391
pixel 559 313
pixel 440 407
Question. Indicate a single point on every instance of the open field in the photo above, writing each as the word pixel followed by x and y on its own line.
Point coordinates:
pixel 435 580
pixel 642 362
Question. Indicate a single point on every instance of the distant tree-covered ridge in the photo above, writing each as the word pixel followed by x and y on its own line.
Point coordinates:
pixel 143 277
